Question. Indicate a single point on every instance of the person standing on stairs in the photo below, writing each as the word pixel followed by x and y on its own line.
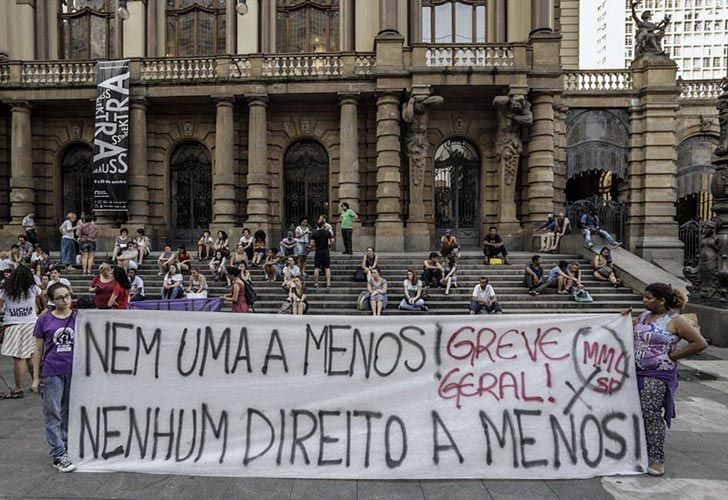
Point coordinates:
pixel 320 239
pixel 347 226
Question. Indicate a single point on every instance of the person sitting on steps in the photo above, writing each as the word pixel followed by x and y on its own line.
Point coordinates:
pixel 493 245
pixel 432 271
pixel 533 274
pixel 590 224
pixel 484 299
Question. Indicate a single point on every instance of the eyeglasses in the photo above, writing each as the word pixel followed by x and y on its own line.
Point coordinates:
pixel 62 297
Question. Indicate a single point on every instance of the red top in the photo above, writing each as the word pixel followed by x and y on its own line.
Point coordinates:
pixel 240 305
pixel 103 292
pixel 122 297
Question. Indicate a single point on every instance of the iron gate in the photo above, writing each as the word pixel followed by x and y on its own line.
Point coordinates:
pixel 306 182
pixel 77 174
pixel 191 169
pixel 457 191
pixel 612 214
pixel 690 234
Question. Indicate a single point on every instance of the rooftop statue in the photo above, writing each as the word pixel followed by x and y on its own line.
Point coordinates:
pixel 648 34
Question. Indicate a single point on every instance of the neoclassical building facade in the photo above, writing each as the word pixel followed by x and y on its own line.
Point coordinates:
pixel 423 115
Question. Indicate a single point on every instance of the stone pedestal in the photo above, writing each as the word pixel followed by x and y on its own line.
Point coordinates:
pixel 138 180
pixel 389 230
pixel 224 206
pixel 651 227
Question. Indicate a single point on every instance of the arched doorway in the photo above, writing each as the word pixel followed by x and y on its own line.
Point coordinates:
pixel 305 182
pixel 77 179
pixel 596 153
pixel 457 190
pixel 191 178
pixel 694 169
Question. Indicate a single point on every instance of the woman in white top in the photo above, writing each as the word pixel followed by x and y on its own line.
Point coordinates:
pixel 303 238
pixel 142 243
pixel 197 284
pixel 377 288
pixel 172 284
pixel 204 246
pixel 247 240
pixel 22 298
pixel 412 300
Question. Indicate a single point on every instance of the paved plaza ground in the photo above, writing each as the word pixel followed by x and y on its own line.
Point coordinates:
pixel 697 462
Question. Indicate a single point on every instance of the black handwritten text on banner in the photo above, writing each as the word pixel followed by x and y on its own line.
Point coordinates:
pixel 111 136
pixel 350 397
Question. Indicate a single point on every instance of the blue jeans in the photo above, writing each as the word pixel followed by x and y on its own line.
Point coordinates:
pixel 173 293
pixel 56 391
pixel 417 306
pixel 601 232
pixel 68 252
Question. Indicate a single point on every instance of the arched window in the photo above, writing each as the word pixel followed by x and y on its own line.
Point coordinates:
pixel 306 181
pixel 307 26
pixel 454 21
pixel 191 175
pixel 77 178
pixel 86 29
pixel 195 27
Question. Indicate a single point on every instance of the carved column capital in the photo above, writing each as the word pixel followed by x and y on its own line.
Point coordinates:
pixel 257 100
pixel 224 101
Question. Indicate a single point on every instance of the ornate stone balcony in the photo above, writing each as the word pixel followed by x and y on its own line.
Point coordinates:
pixel 171 71
pixel 700 89
pixel 466 56
pixel 597 81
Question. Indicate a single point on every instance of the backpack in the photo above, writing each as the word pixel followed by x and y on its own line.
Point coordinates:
pixel 362 302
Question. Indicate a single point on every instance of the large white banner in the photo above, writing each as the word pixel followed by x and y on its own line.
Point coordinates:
pixel 519 396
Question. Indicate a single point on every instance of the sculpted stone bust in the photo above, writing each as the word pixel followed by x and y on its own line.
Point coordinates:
pixel 648 35
pixel 415 114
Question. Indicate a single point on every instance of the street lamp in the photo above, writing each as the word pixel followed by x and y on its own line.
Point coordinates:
pixel 122 10
pixel 242 7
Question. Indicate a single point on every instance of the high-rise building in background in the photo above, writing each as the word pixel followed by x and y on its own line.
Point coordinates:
pixel 697 38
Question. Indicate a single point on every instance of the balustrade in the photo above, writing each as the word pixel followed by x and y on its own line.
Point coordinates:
pixel 301 66
pixel 597 81
pixel 42 73
pixel 464 56
pixel 178 69
pixel 700 89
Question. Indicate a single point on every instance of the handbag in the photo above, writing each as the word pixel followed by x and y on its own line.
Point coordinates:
pixel 250 296
pixel 363 302
pixel 200 295
pixel 582 296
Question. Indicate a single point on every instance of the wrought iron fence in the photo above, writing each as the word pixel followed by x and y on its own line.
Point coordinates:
pixel 612 214
pixel 689 233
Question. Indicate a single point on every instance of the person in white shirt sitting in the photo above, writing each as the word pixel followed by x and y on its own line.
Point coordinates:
pixel 484 299
pixel 137 286
pixel 128 258
pixel 290 272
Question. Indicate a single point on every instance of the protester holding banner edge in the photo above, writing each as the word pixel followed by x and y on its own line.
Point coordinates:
pixel 656 334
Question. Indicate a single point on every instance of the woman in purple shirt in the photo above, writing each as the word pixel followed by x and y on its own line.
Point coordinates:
pixel 55 333
pixel 656 334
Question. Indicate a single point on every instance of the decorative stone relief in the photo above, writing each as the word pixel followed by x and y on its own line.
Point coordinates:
pixel 188 129
pixel 306 126
pixel 513 113
pixel 76 131
pixel 415 112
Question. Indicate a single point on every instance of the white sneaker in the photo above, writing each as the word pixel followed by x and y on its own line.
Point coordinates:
pixel 64 464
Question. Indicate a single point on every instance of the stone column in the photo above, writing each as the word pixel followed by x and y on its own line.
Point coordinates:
pixel 267 11
pixel 541 16
pixel 152 28
pixel 231 27
pixel 501 21
pixel 138 174
pixel 388 17
pixel 41 30
pixel 652 231
pixel 118 33
pixel 258 190
pixel 389 230
pixel 223 180
pixel 349 152
pixel 415 25
pixel 541 158
pixel 22 193
pixel 347 26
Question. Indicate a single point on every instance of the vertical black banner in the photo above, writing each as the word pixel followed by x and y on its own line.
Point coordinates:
pixel 111 137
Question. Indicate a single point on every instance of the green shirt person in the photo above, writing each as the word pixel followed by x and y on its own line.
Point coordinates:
pixel 347 226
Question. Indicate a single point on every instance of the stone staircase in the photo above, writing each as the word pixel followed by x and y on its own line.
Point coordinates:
pixel 341 297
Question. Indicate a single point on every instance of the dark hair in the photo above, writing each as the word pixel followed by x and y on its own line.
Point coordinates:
pixel 535 258
pixel 345 205
pixel 121 278
pixel 233 271
pixel 22 236
pixel 674 297
pixel 182 247
pixel 434 255
pixel 132 269
pixel 259 235
pixel 55 286
pixel 18 285
pixel 124 230
pixel 245 229
pixel 140 231
pixel 484 278
pixel 492 227
pixel 223 234
pixel 609 258
pixel 563 264
pixel 214 256
pixel 320 223
pixel 303 219
pixel 88 218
